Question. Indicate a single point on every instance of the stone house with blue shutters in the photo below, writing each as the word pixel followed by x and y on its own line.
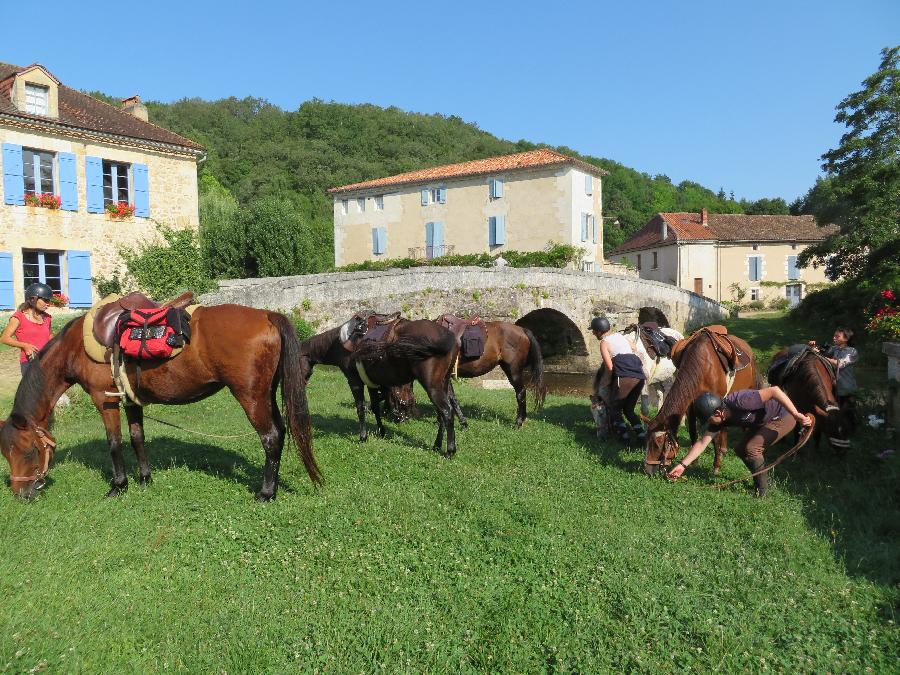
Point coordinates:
pixel 82 155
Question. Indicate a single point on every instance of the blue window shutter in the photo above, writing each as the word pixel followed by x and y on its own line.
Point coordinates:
pixel 141 190
pixel 382 240
pixel 499 187
pixel 93 168
pixel 13 175
pixel 7 300
pixel 588 185
pixel 79 263
pixel 792 267
pixel 500 232
pixel 492 190
pixel 68 181
pixel 424 196
pixel 594 227
pixel 492 231
pixel 429 235
pixel 596 268
pixel 439 237
pixel 584 227
pixel 375 241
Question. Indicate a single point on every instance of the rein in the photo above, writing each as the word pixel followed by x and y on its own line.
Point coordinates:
pixel 199 433
pixel 804 437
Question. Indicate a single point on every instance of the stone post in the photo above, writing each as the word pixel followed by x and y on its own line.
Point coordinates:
pixel 892 349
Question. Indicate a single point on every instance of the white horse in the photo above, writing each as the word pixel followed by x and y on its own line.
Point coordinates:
pixel 659 375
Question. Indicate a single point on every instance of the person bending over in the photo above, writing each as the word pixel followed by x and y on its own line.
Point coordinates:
pixel 767 414
pixel 622 362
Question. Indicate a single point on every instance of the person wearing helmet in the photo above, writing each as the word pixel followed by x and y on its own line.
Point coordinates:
pixel 29 326
pixel 767 414
pixel 622 363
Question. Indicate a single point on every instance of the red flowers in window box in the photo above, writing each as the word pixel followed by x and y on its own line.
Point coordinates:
pixel 59 300
pixel 120 209
pixel 45 200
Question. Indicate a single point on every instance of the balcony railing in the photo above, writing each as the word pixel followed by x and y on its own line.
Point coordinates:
pixel 429 252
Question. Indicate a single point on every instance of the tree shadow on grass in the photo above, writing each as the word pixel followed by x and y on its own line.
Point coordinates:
pixel 164 452
pixel 347 429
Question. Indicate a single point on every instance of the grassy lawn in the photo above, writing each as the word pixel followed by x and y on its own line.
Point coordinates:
pixel 536 549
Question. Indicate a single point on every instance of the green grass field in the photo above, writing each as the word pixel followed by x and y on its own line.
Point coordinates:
pixel 533 550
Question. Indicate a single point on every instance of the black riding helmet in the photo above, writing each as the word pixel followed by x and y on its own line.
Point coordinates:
pixel 600 324
pixel 705 405
pixel 39 290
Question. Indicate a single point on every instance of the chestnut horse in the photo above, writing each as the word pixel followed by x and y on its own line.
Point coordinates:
pixel 250 351
pixel 811 387
pixel 514 349
pixel 699 370
pixel 414 350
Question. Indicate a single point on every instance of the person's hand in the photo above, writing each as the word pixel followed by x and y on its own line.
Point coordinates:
pixel 805 420
pixel 676 472
pixel 30 350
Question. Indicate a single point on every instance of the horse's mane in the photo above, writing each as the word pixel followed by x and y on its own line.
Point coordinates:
pixel 684 388
pixel 807 374
pixel 318 345
pixel 31 388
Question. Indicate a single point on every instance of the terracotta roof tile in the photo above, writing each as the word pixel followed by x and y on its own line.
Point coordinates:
pixel 724 227
pixel 522 160
pixel 84 112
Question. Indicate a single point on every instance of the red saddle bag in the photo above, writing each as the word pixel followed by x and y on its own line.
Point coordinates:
pixel 147 333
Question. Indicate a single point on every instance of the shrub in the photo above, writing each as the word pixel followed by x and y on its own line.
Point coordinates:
pixel 303 327
pixel 167 267
pixel 756 305
pixel 106 286
pixel 779 303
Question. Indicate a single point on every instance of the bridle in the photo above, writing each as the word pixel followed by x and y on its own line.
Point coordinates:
pixel 48 443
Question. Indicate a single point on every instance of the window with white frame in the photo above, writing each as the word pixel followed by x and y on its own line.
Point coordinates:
pixel 439 195
pixel 44 267
pixel 754 294
pixel 379 203
pixel 38 169
pixel 37 99
pixel 361 204
pixel 116 187
pixel 587 266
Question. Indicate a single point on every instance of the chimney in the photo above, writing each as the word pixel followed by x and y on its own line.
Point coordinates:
pixel 133 106
pixel 704 218
pixel 664 229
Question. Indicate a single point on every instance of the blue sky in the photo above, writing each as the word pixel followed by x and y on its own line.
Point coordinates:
pixel 733 95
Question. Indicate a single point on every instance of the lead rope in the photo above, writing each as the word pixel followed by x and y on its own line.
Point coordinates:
pixel 199 433
pixel 783 456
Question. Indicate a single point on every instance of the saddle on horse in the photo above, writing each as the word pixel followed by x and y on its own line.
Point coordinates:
pixel 785 365
pixel 379 327
pixel 471 334
pixel 106 315
pixel 657 344
pixel 730 355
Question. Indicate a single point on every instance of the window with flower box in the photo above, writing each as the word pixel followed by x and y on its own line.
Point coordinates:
pixel 115 183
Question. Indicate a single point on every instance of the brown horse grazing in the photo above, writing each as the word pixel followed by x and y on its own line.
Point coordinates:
pixel 811 386
pixel 514 349
pixel 699 370
pixel 250 351
pixel 413 350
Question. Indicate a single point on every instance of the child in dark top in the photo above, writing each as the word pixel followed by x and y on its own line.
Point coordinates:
pixel 767 414
pixel 29 326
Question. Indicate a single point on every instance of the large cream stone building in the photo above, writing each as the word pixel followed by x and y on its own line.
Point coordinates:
pixel 707 253
pixel 514 202
pixel 83 155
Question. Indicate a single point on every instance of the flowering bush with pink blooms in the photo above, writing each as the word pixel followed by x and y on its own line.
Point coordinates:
pixel 885 317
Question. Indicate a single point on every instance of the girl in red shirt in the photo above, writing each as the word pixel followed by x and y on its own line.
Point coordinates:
pixel 29 327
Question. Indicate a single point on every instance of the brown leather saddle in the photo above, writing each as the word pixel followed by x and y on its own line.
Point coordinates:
pixel 380 327
pixel 731 357
pixel 106 316
pixel 640 330
pixel 458 326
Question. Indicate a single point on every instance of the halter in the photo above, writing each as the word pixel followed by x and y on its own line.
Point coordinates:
pixel 48 443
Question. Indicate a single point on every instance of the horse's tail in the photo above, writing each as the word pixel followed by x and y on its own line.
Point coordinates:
pixel 536 363
pixel 408 347
pixel 291 369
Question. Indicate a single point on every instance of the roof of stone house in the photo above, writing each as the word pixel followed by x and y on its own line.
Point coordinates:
pixel 724 227
pixel 521 160
pixel 83 112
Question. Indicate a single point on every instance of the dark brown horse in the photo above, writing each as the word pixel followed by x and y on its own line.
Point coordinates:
pixel 250 351
pixel 514 349
pixel 699 370
pixel 413 350
pixel 811 386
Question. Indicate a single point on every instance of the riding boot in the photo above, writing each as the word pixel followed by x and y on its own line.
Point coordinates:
pixel 639 433
pixel 762 480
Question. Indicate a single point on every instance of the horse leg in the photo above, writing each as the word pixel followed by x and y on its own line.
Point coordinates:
pixel 440 397
pixel 109 411
pixel 359 397
pixel 135 416
pixel 515 379
pixel 375 395
pixel 645 404
pixel 457 410
pixel 721 445
pixel 263 413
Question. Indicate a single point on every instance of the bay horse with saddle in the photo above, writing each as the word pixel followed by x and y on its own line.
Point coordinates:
pixel 710 360
pixel 250 351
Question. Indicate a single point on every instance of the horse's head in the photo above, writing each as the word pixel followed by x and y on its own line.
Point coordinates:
pixel 29 449
pixel 403 403
pixel 662 445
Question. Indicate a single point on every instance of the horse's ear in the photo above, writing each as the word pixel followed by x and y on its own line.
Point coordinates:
pixel 18 421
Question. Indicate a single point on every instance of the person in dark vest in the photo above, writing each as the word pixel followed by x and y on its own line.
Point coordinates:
pixel 623 366
pixel 767 414
pixel 29 326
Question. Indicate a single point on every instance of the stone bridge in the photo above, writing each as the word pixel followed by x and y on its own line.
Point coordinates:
pixel 556 305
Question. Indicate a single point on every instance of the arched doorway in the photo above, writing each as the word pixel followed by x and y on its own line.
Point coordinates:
pixel 562 342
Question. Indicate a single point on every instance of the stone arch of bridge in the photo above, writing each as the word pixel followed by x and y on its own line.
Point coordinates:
pixel 561 340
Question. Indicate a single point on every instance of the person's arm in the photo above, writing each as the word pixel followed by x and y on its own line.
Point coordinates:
pixel 851 357
pixel 695 451
pixel 778 394
pixel 7 338
pixel 607 359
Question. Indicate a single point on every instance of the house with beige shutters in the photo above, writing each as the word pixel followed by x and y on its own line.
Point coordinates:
pixel 514 202
pixel 69 161
pixel 708 252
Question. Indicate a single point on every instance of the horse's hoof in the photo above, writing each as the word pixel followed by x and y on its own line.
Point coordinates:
pixel 145 481
pixel 520 423
pixel 716 471
pixel 263 497
pixel 450 454
pixel 463 425
pixel 117 490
